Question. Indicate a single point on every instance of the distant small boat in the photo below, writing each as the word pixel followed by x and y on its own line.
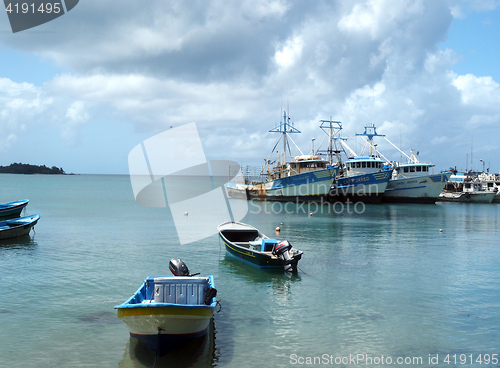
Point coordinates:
pixel 470 192
pixel 17 227
pixel 491 182
pixel 249 244
pixel 12 209
pixel 165 312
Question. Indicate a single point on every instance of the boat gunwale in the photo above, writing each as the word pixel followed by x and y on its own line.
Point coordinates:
pixel 13 205
pixel 129 305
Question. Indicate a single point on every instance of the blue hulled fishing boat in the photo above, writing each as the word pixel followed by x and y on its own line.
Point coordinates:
pixel 18 226
pixel 12 209
pixel 299 178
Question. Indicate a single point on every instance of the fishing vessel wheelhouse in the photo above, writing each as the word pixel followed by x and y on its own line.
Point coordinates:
pixel 364 177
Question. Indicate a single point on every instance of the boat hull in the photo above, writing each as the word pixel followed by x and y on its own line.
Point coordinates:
pixel 257 258
pixel 164 329
pixel 165 326
pixel 422 189
pixel 367 188
pixel 466 197
pixel 305 187
pixel 17 227
pixel 12 209
pixel 496 198
pixel 239 193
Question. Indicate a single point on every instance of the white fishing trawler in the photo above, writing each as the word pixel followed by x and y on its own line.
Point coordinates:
pixel 299 178
pixel 414 182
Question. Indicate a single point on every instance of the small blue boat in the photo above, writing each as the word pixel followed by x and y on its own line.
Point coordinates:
pixel 12 209
pixel 166 312
pixel 17 227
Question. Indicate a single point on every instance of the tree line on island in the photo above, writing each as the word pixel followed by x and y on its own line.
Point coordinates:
pixel 19 168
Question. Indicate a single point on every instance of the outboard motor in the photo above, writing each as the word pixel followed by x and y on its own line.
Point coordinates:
pixel 178 268
pixel 281 250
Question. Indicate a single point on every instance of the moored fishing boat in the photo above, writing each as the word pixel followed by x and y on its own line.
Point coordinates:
pixel 300 178
pixel 12 209
pixel 18 226
pixel 249 244
pixel 363 178
pixel 165 312
pixel 414 182
pixel 490 182
pixel 462 188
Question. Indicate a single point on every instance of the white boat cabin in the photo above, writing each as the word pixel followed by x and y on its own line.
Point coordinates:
pixel 412 170
pixel 363 165
pixel 470 187
pixel 490 182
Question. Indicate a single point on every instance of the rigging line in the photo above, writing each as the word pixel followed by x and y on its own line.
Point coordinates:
pixel 295 145
pixel 408 157
pixel 376 150
pixel 321 142
pixel 268 158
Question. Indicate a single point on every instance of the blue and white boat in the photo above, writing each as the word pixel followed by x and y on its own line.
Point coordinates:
pixel 299 178
pixel 414 182
pixel 18 226
pixel 166 312
pixel 12 209
pixel 363 178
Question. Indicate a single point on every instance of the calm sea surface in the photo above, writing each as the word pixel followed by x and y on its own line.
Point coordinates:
pixel 382 284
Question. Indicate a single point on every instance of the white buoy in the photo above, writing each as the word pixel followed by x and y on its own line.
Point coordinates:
pixel 440 230
pixel 311 214
pixel 185 213
pixel 278 229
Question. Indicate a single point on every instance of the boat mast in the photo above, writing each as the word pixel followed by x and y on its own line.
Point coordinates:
pixel 285 128
pixel 332 129
pixel 370 132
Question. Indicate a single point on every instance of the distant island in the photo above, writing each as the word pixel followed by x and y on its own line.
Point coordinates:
pixel 19 168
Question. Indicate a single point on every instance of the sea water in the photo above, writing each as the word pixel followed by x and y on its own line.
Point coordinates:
pixel 378 285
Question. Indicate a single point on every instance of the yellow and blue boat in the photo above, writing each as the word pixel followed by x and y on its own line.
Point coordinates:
pixel 166 312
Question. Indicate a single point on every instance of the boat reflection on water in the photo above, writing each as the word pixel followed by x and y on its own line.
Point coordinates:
pixel 280 281
pixel 23 242
pixel 197 352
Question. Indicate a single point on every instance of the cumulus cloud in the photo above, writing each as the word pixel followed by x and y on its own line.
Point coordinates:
pixel 479 91
pixel 233 67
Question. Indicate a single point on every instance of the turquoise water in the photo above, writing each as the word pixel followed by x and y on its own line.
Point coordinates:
pixel 381 282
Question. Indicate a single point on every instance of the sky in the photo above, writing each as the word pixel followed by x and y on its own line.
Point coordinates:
pixel 80 92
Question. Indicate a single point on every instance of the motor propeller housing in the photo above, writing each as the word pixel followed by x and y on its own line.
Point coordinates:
pixel 282 251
